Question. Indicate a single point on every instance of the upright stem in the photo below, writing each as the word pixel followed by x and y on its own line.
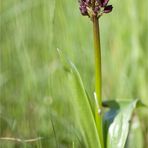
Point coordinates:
pixel 97 46
pixel 98 87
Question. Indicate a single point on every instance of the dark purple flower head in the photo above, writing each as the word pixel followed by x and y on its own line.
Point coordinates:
pixel 101 6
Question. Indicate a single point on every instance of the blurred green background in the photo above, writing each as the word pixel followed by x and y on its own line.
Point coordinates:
pixel 33 94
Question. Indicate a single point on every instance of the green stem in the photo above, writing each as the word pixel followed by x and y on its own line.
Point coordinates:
pixel 98 87
pixel 97 60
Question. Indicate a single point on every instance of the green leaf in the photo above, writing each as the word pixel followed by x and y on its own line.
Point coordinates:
pixel 84 117
pixel 117 122
pixel 135 134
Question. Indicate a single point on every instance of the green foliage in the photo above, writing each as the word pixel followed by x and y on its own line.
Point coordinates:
pixel 83 113
pixel 117 122
pixel 135 134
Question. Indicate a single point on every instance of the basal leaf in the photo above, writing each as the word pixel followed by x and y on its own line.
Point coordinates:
pixel 135 134
pixel 82 108
pixel 117 122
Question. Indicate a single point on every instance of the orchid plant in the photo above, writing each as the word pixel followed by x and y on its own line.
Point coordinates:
pixel 99 128
pixel 49 99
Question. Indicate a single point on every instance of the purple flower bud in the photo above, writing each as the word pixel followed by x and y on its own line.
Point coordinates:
pixel 104 2
pixel 108 8
pixel 97 8
pixel 88 2
pixel 83 10
pixel 83 6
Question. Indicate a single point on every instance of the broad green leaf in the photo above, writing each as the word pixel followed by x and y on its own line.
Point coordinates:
pixel 82 108
pixel 135 134
pixel 117 122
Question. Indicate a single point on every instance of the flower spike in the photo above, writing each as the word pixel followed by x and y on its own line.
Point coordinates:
pixel 101 6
